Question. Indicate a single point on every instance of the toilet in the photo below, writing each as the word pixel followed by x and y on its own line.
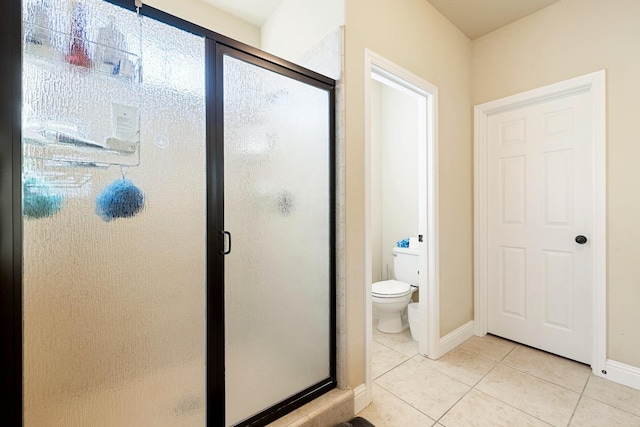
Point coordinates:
pixel 391 297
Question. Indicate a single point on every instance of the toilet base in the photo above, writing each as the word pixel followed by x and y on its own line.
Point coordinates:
pixel 391 323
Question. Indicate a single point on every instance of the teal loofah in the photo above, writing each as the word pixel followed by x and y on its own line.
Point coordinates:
pixel 39 200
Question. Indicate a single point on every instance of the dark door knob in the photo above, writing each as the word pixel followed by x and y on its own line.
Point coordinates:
pixel 581 240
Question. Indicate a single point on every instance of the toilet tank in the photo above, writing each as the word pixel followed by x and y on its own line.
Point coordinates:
pixel 406 265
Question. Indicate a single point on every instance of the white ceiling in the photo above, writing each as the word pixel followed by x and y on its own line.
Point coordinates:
pixel 475 18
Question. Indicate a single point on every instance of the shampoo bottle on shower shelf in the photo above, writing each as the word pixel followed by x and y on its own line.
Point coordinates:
pixel 78 54
pixel 110 47
pixel 36 29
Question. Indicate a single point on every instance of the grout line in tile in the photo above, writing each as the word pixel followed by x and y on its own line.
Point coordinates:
pixel 390 369
pixel 468 391
pixel 403 401
pixel 542 379
pixel 495 363
pixel 575 409
pixel 474 354
pixel 453 378
pixel 442 373
pixel 509 352
pixel 531 415
pixel 454 405
pixel 493 397
pixel 614 407
pixel 586 383
pixel 381 343
pixel 516 408
pixel 473 387
pixel 398 365
pixel 608 404
pixel 390 348
pixel 584 387
pixel 603 402
pixel 535 376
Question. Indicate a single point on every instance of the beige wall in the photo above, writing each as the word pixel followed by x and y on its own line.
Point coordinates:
pixel 377 270
pixel 394 192
pixel 210 17
pixel 413 35
pixel 568 39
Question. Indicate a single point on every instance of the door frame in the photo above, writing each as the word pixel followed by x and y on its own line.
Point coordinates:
pixel 594 84
pixel 429 303
pixel 11 211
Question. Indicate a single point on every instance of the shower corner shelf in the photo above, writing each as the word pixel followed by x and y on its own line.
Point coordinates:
pixel 52 47
pixel 62 53
pixel 81 155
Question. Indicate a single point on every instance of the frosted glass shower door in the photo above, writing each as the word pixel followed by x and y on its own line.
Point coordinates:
pixel 278 212
pixel 114 218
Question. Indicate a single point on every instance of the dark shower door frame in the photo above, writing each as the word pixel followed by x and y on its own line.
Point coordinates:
pixel 11 210
pixel 257 58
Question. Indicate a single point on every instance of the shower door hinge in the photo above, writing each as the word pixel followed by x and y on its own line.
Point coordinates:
pixel 419 237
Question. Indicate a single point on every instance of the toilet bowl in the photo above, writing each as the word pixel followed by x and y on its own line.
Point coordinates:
pixel 391 297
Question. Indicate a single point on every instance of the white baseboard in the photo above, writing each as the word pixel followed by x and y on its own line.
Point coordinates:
pixel 360 398
pixel 455 338
pixel 620 373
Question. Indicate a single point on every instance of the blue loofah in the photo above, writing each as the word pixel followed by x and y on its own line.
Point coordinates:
pixel 122 199
pixel 404 243
pixel 39 200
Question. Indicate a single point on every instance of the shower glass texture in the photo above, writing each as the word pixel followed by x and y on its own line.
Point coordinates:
pixel 114 329
pixel 277 210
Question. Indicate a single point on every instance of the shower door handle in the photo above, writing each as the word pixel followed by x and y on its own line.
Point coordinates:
pixel 228 251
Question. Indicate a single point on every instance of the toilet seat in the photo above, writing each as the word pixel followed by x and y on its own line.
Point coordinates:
pixel 390 289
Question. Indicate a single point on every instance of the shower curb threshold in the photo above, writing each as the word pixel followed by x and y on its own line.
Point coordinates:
pixel 330 409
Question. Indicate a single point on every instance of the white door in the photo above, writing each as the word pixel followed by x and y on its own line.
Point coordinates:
pixel 540 198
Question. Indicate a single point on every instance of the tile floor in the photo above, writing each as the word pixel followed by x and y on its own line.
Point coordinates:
pixel 490 382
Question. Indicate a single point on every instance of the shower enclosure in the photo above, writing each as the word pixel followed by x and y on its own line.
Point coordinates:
pixel 167 233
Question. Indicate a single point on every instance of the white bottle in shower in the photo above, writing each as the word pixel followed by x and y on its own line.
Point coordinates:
pixel 110 48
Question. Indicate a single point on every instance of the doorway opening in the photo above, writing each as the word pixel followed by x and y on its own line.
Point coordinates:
pixel 400 143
